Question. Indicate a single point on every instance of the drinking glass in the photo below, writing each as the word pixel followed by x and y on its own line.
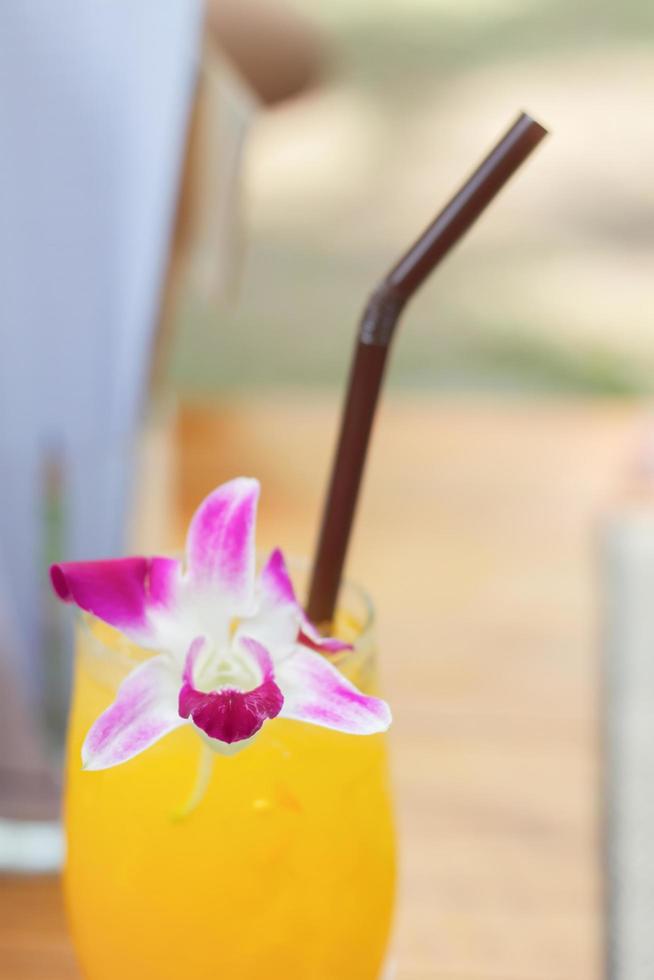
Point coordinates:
pixel 279 862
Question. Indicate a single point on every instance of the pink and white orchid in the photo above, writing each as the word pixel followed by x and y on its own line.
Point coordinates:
pixel 231 650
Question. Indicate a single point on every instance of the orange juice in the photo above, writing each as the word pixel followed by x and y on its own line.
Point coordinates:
pixel 281 866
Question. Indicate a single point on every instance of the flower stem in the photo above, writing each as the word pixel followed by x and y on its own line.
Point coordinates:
pixel 203 778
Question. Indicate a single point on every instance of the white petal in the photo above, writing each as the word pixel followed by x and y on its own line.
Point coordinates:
pixel 144 711
pixel 220 548
pixel 314 691
pixel 277 620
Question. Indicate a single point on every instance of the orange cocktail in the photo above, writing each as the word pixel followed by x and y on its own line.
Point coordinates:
pixel 283 869
pixel 227 802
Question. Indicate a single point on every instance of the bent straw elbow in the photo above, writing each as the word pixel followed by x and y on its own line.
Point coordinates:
pixel 381 315
pixel 377 326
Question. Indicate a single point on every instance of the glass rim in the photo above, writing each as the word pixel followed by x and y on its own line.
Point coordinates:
pixel 295 563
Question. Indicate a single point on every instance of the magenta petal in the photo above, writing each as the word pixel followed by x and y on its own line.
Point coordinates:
pixel 145 709
pixel 191 659
pixel 220 541
pixel 275 581
pixel 229 715
pixel 277 590
pixel 123 592
pixel 310 637
pixel 277 619
pixel 315 692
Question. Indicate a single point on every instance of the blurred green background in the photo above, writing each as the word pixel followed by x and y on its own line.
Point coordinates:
pixel 552 290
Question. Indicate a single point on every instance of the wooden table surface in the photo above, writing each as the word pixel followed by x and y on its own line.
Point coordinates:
pixel 475 537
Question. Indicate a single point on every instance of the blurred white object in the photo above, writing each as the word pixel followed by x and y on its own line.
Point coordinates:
pixel 31 847
pixel 94 105
pixel 214 247
pixel 628 586
pixel 390 971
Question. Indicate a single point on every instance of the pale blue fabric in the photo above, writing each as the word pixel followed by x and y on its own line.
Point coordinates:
pixel 94 103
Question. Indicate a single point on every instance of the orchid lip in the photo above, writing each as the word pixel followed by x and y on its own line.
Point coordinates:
pixel 229 714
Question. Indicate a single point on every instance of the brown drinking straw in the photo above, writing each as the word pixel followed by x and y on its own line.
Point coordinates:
pixel 376 331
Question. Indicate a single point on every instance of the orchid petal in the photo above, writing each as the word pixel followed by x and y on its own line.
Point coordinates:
pixel 314 691
pixel 275 582
pixel 310 637
pixel 229 715
pixel 280 621
pixel 277 620
pixel 135 595
pixel 144 711
pixel 220 544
